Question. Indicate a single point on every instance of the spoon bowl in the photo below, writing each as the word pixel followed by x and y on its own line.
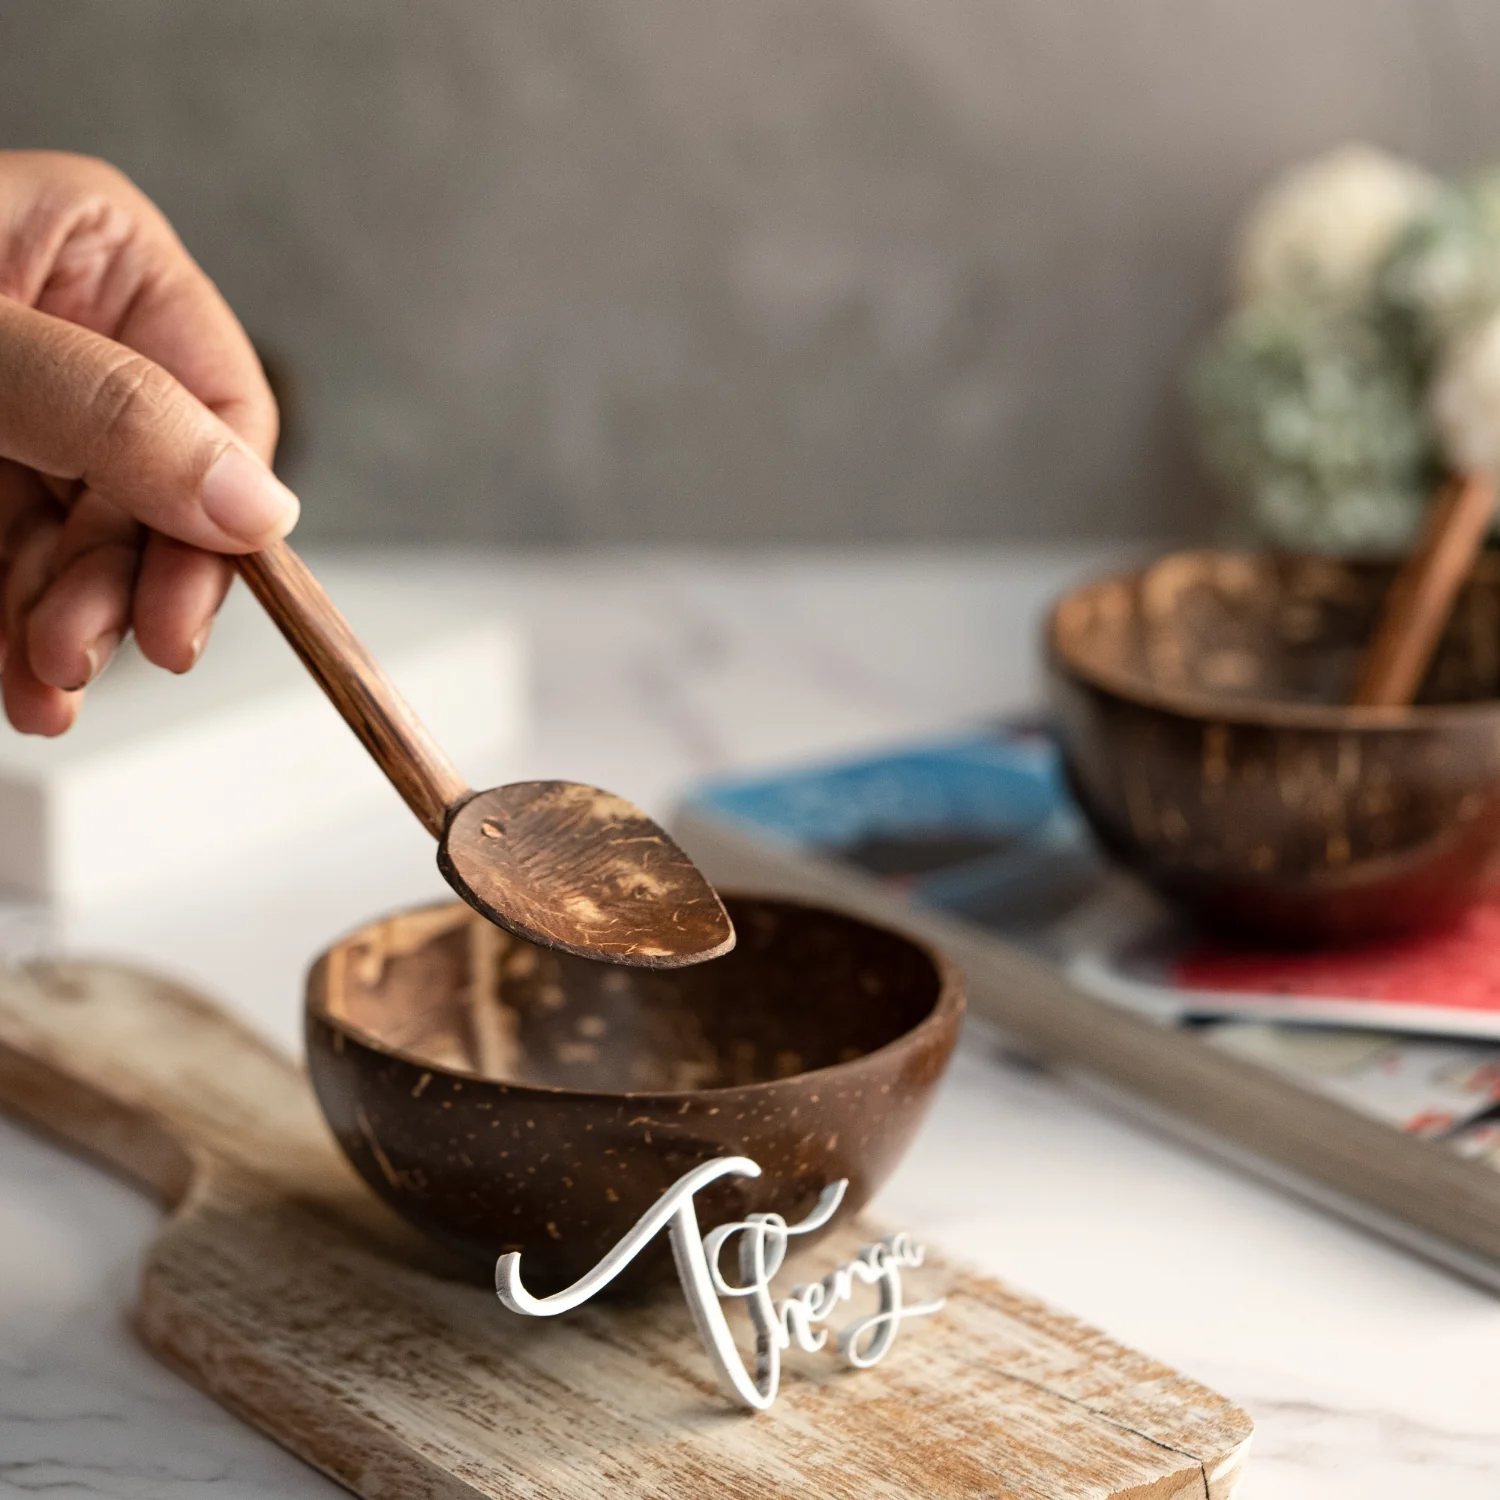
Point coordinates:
pixel 581 870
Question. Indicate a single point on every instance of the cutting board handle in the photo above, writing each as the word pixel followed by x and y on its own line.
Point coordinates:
pixel 141 1073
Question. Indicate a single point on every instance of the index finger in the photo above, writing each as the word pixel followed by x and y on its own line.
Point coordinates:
pixel 81 406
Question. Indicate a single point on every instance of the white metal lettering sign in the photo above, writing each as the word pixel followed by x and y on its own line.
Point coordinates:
pixel 762 1244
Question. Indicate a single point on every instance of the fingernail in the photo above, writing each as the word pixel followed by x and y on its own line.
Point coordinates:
pixel 243 497
pixel 195 651
pixel 100 653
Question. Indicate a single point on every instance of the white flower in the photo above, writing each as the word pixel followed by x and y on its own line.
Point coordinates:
pixel 1325 225
pixel 1465 401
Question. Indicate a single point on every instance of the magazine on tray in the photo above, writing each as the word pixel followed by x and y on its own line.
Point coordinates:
pixel 981 827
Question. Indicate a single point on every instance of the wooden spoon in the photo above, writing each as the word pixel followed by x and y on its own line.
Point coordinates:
pixel 1421 598
pixel 561 864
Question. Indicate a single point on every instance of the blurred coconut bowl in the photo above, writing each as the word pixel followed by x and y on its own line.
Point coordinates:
pixel 502 1096
pixel 1202 705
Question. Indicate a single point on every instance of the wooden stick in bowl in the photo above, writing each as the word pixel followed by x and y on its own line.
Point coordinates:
pixel 1421 598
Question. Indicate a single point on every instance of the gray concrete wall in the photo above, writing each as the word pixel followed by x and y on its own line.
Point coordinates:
pixel 724 270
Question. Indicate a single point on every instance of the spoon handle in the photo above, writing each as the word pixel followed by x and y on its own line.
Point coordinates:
pixel 355 683
pixel 1421 599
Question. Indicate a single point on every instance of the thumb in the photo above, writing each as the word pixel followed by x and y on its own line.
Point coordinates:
pixel 76 405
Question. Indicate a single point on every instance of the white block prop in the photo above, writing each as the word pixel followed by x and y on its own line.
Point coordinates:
pixel 162 775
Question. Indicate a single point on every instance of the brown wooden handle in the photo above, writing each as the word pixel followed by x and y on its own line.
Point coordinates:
pixel 1421 598
pixel 141 1073
pixel 355 683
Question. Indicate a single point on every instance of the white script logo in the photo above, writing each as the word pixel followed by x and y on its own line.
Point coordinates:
pixel 762 1248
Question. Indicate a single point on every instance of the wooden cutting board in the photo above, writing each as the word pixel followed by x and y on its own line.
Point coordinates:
pixel 283 1288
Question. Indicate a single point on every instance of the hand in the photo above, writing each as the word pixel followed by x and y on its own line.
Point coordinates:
pixel 136 428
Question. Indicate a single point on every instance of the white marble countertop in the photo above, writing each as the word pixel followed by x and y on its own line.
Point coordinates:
pixel 1369 1373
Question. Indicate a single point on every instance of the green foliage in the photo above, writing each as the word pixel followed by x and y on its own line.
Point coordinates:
pixel 1306 414
pixel 1441 277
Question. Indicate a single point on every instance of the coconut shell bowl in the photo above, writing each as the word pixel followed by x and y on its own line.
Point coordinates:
pixel 503 1096
pixel 1203 711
